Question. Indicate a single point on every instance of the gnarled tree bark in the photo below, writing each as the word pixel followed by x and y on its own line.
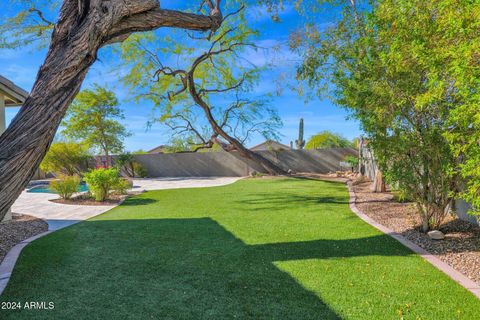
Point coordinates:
pixel 84 26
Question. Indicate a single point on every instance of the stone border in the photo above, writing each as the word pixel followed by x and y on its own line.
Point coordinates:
pixel 456 276
pixel 8 263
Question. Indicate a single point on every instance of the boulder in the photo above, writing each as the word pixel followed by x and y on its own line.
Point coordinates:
pixel 436 235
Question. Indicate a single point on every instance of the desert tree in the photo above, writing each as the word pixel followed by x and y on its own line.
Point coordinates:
pixel 385 62
pixel 93 118
pixel 66 157
pixel 327 139
pixel 32 25
pixel 80 29
pixel 241 119
pixel 205 98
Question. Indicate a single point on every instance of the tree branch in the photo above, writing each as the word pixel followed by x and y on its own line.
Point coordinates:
pixel 157 18
pixel 41 16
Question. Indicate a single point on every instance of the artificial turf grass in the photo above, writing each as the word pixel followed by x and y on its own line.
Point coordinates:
pixel 258 249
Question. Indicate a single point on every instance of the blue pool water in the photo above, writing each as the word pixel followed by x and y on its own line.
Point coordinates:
pixel 46 189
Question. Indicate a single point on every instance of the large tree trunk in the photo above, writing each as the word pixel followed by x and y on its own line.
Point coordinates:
pixel 379 182
pixel 268 165
pixel 83 27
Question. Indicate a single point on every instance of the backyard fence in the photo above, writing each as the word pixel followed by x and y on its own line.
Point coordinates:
pixel 231 164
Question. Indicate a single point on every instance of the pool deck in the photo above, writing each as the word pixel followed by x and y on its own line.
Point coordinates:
pixel 62 215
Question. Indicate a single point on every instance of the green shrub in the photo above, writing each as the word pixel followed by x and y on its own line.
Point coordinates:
pixel 139 170
pixel 126 163
pixel 101 182
pixel 122 186
pixel 400 196
pixel 256 174
pixel 65 158
pixel 65 186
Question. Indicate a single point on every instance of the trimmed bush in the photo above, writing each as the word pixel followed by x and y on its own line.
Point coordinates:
pixel 122 186
pixel 101 181
pixel 65 186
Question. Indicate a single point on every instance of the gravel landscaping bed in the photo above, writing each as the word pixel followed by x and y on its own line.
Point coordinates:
pixel 461 247
pixel 21 227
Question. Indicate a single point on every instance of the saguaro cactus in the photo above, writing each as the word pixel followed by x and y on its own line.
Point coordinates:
pixel 300 143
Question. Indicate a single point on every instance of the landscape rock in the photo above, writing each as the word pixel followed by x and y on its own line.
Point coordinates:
pixel 436 235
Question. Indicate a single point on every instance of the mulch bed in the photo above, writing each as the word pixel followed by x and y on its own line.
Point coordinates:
pixel 21 227
pixel 461 247
pixel 84 200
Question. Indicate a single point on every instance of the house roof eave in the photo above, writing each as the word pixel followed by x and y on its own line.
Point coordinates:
pixel 14 95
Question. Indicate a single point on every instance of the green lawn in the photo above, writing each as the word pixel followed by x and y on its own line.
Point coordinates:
pixel 257 249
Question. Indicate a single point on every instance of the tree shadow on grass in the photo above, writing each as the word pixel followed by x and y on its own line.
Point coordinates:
pixel 278 201
pixel 269 201
pixel 136 201
pixel 173 269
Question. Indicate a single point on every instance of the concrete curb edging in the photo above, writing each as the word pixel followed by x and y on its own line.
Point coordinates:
pixel 8 263
pixel 456 276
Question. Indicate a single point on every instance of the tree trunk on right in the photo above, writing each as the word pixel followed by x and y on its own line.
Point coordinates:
pixel 379 182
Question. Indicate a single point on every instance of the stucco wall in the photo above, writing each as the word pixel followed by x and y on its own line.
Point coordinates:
pixel 208 164
pixel 313 161
pixel 462 208
pixel 225 164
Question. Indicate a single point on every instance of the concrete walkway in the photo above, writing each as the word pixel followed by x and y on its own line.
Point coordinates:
pixel 62 215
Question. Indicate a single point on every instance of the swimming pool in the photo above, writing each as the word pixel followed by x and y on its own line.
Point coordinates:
pixel 46 189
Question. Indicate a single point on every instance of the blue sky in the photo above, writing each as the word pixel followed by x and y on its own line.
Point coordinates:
pixel 21 67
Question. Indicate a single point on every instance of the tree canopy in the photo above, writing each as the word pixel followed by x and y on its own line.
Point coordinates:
pixel 405 72
pixel 327 139
pixel 65 158
pixel 224 78
pixel 93 119
pixel 31 26
pixel 204 96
